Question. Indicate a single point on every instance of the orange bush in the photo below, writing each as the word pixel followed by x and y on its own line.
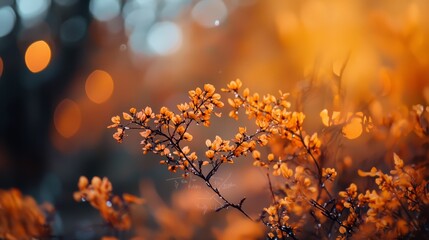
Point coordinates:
pixel 306 198
pixel 21 217
pixel 114 209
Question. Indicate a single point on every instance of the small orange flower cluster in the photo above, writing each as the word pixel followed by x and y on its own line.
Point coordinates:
pixel 21 217
pixel 290 203
pixel 349 208
pixel 329 174
pixel 401 203
pixel 114 209
pixel 421 117
pixel 271 114
pixel 398 209
pixel 273 117
pixel 278 222
pixel 290 200
pixel 163 132
pixel 220 150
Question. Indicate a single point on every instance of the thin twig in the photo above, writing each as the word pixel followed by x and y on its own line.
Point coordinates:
pixel 271 187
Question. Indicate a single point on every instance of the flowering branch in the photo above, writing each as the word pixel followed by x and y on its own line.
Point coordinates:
pixel 165 132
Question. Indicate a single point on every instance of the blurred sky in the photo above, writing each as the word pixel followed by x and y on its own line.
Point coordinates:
pixel 67 66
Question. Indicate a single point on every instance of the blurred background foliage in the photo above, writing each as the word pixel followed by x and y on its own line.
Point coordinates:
pixel 67 66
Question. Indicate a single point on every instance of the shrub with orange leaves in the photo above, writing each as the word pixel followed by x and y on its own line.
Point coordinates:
pixel 114 209
pixel 400 206
pixel 21 217
pixel 306 196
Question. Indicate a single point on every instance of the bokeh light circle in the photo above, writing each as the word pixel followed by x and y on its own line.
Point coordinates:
pixel 73 30
pixel 104 10
pixel 209 13
pixel 99 86
pixel 164 38
pixel 7 20
pixel 137 42
pixel 353 129
pixel 37 56
pixel 139 15
pixel 67 118
pixel 32 11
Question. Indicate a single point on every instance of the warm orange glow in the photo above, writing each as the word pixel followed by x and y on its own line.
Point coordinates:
pixel 333 119
pixel 353 129
pixel 38 56
pixel 325 117
pixel 67 118
pixel 99 86
pixel 1 66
